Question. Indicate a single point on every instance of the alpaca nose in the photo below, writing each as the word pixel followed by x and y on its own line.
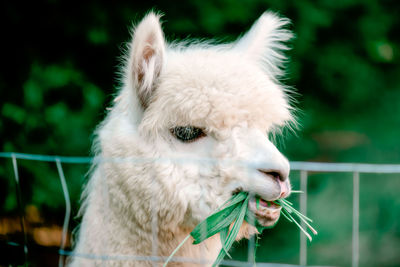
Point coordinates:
pixel 281 178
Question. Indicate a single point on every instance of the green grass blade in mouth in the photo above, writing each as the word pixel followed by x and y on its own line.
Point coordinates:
pixel 284 215
pixel 237 198
pixel 288 209
pixel 176 250
pixel 298 225
pixel 224 236
pixel 258 203
pixel 296 191
pixel 233 233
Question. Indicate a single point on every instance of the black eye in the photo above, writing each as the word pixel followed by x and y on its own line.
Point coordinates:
pixel 187 133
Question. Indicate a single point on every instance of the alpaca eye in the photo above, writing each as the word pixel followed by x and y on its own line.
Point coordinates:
pixel 187 133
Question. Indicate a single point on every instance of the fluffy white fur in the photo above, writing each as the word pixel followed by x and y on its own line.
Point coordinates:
pixel 231 92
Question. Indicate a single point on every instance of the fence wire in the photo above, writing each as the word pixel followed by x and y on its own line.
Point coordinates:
pixel 304 167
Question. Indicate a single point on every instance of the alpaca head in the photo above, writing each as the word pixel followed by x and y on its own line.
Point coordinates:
pixel 212 107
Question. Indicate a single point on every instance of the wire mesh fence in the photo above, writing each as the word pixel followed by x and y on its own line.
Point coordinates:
pixel 305 168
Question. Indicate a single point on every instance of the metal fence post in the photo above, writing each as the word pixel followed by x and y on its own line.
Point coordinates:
pixel 67 211
pixel 303 210
pixel 356 210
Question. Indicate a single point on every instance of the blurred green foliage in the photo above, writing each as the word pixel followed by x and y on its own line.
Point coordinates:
pixel 58 76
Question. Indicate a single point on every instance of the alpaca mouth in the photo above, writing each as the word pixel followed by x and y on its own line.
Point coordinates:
pixel 266 212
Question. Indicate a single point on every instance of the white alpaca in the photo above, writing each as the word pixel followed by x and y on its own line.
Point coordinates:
pixel 179 102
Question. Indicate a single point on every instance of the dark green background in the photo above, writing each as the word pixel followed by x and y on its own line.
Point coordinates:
pixel 58 65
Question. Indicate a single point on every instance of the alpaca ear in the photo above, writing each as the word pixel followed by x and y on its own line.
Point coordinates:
pixel 146 57
pixel 264 42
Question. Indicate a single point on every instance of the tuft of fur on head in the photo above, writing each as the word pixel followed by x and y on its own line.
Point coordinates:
pixel 266 41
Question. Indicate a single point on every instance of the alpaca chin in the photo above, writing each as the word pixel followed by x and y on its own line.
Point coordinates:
pixel 246 231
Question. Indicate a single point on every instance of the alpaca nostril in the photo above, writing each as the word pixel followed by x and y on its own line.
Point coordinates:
pixel 274 173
